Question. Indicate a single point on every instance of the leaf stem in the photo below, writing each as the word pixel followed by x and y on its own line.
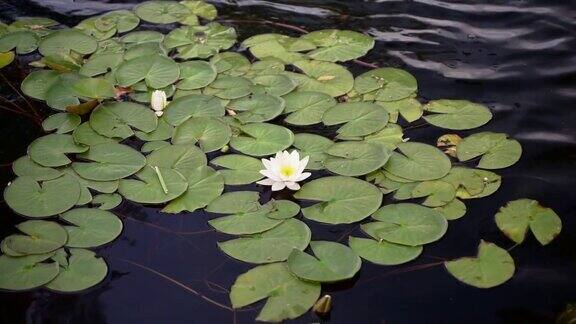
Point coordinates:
pixel 162 183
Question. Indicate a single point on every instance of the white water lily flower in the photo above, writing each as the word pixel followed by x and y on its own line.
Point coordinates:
pixel 284 170
pixel 158 102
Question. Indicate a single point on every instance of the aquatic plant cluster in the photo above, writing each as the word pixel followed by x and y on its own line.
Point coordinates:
pixel 215 114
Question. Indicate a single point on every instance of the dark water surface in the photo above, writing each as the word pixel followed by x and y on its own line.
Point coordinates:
pixel 517 57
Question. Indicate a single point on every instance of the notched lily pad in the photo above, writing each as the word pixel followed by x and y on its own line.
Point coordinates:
pixel 332 262
pixel 518 216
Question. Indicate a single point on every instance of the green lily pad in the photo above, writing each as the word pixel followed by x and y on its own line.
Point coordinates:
pixel 161 12
pixel 261 139
pixel 51 150
pixel 62 123
pixel 91 227
pixel 61 94
pixel 341 200
pixel 456 114
pixel 204 185
pixel 183 158
pixel 274 84
pixel 142 37
pixel 154 185
pixel 326 77
pixel 453 210
pixel 94 88
pixel 64 41
pixel 84 134
pixel 492 266
pixel 101 64
pixel 388 84
pixel 121 20
pixel 235 202
pixel 496 149
pixel 407 224
pixel 282 209
pixel 307 107
pixel 491 181
pixel 200 41
pixel 245 223
pixel 338 45
pixel 210 133
pixel 26 272
pixel 195 105
pixel 156 70
pixel 25 167
pixel 117 119
pixel 230 63
pixel 257 108
pixel 41 237
pixel 359 118
pixel 438 193
pixel 314 146
pixel 109 161
pixel 37 83
pixel 287 297
pixel 83 271
pixel 30 198
pixel 333 262
pixel 153 146
pixel 517 216
pixel 418 162
pixel 352 158
pixel 240 169
pixel 410 109
pixel 23 42
pixel 107 201
pixel 273 245
pixel 229 87
pixel 383 252
pixel 201 9
pixel 388 137
pixel 162 132
pixel 85 185
pixel 196 75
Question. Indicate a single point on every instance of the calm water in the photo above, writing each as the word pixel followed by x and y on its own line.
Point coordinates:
pixel 517 57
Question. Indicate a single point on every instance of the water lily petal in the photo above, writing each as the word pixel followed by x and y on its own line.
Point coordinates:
pixel 292 185
pixel 303 176
pixel 277 186
pixel 266 182
pixel 302 165
pixel 271 175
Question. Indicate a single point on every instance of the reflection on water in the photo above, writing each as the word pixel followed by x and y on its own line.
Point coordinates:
pixel 515 56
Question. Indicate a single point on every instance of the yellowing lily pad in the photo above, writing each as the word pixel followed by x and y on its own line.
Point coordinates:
pixel 517 216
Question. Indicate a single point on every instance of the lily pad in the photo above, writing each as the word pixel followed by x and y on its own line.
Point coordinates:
pixel 438 193
pixel 162 132
pixel 84 270
pixel 107 201
pixel 117 119
pixel 307 107
pixel 282 209
pixel 109 161
pixel 418 162
pixel 41 237
pixel 491 182
pixel 517 216
pixel 453 210
pixel 25 167
pixel 257 108
pixel 352 158
pixel 183 158
pixel 204 185
pixel 153 185
pixel 229 87
pixel 261 139
pixel 326 77
pixel 496 149
pixel 84 134
pixel 314 146
pixel 235 202
pixel 383 252
pixel 209 133
pixel 388 84
pixel 338 45
pixel 6 58
pixel 492 266
pixel 407 224
pixel 359 118
pixel 90 227
pixel 51 150
pixel 27 272
pixel 333 262
pixel 161 12
pixel 30 198
pixel 274 84
pixel 271 246
pixel 410 109
pixel 287 297
pixel 156 70
pixel 196 75
pixel 245 223
pixel 341 200
pixel 62 123
pixel 23 42
pixel 153 146
pixel 456 114
pixel 94 88
pixel 389 137
pixel 239 169
pixel 200 41
pixel 37 83
pixel 100 64
pixel 62 42
pixel 195 105
pixel 230 63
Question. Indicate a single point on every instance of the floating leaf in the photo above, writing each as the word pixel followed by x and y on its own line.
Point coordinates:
pixel 184 158
pixel 326 77
pixel 257 108
pixel 94 88
pixel 282 209
pixel 161 12
pixel 517 216
pixel 410 109
pixel 196 105
pixel 340 199
pixel 64 41
pixel 51 150
pixel 107 201
pixel 418 162
pixel 453 210
pixel 201 9
pixel 25 167
pixel 407 224
pixel 313 146
pixel 6 58
pixel 338 45
pixel 200 41
pixel 270 246
pixel 307 107
pixel 116 119
pixel 359 118
pixel 231 63
pixel 383 252
pixel 85 185
pixel 492 266
pixel 41 237
pixel 235 202
pixel 355 158
pixel 261 139
pixel 23 42
pixel 196 75
pixel 91 227
pixel 456 114
pixel 61 122
pixel 210 133
pixel 153 146
pixel 240 169
pixel 26 272
pixel 388 84
pixel 491 182
pixel 496 149
pixel 274 84
pixel 204 185
pixel 61 94
pixel 438 193
pixel 30 198
pixel 333 262
pixel 101 64
pixel 162 132
pixel 109 161
pixel 83 271
pixel 156 70
pixel 84 134
pixel 287 296
pixel 154 185
pixel 389 137
pixel 229 87
pixel 245 223
pixel 37 83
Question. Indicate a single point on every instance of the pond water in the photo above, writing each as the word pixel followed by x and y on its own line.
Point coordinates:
pixel 517 57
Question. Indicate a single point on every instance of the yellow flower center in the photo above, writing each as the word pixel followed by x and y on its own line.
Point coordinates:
pixel 287 170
